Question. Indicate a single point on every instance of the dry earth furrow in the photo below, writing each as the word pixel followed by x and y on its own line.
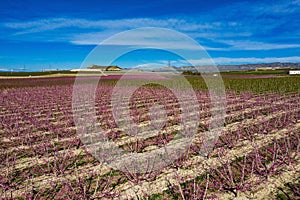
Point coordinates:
pixel 269 189
pixel 230 128
pixel 130 191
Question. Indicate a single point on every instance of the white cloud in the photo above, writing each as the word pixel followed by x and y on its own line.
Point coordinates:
pixel 285 7
pixel 150 66
pixel 164 40
pixel 216 34
pixel 40 25
pixel 146 37
pixel 119 24
pixel 253 45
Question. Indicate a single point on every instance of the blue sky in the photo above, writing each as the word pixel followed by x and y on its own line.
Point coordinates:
pixel 41 35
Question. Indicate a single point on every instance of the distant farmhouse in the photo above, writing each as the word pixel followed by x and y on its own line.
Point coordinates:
pixel 264 68
pixel 97 69
pixel 105 68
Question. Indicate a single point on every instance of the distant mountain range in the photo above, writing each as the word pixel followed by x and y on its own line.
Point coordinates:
pixel 242 67
pixel 276 65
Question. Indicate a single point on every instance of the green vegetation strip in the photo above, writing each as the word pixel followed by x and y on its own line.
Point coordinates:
pixel 36 73
pixel 280 85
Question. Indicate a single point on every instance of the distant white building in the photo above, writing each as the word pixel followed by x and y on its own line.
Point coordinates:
pixel 294 72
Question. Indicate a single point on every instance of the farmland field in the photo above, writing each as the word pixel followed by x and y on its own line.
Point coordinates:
pixel 255 157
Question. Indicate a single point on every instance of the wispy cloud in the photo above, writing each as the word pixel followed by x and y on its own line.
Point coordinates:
pixel 150 66
pixel 146 38
pixel 85 30
pixel 160 40
pixel 284 7
pixel 254 45
pixel 119 24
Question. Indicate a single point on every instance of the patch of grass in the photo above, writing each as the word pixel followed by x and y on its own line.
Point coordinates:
pixel 289 191
pixel 155 197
